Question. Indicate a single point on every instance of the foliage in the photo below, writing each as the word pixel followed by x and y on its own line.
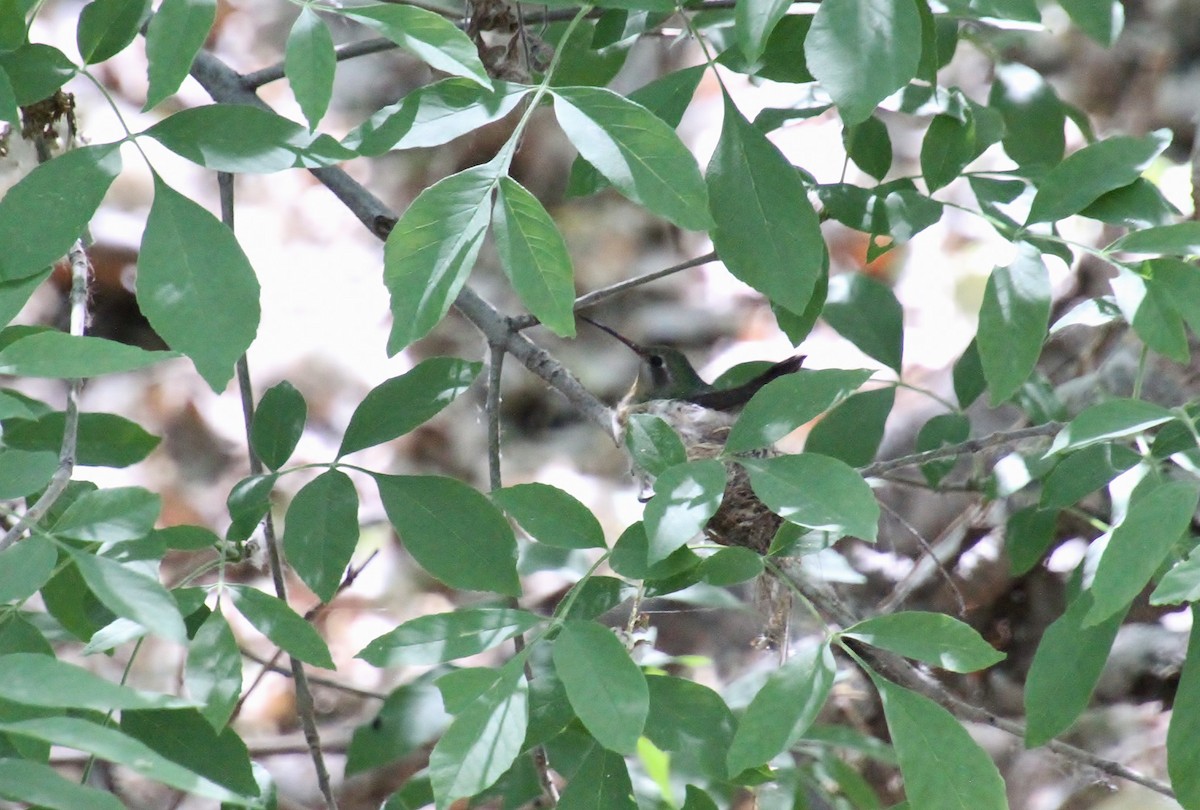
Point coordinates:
pixel 616 732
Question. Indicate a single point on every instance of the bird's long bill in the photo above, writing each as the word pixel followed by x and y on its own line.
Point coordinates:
pixel 635 347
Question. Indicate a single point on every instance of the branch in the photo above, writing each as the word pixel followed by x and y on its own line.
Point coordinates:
pixel 596 296
pixel 225 85
pixel 900 671
pixel 80 270
pixel 305 707
pixel 969 447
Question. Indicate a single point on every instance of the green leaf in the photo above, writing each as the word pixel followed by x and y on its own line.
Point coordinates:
pixel 866 313
pixel 1180 584
pixel 321 531
pixel 862 51
pixel 285 628
pixel 114 746
pixel 111 515
pixel 36 784
pixel 51 353
pixel 1180 239
pixel 248 503
pixel 397 406
pixel 33 679
pixel 196 286
pixel 601 782
pixel 242 139
pixel 853 431
pixel 484 739
pixel 411 716
pixel 754 21
pixel 534 255
pixel 1114 419
pixel 1065 669
pixel 36 71
pixel 1012 323
pixel 1137 547
pixel 729 566
pixel 783 708
pixel 105 439
pixel 1082 473
pixel 25 567
pixel 1151 314
pixel 685 497
pixel 869 146
pixel 607 690
pixel 946 150
pixel 767 232
pixel 969 381
pixel 1033 116
pixel 1139 205
pixel 654 445
pixel 434 115
pixel 941 430
pixel 786 403
pixel 817 492
pixel 1079 180
pixel 630 552
pixel 213 674
pixel 690 722
pixel 1028 533
pixel 636 151
pixel 23 472
pixel 278 424
pixel 37 205
pixel 941 765
pixel 551 516
pixel 16 293
pixel 667 97
pixel 433 38
pixel 444 637
pixel 432 248
pixel 184 737
pixel 934 638
pixel 176 34
pixel 309 61
pixel 1183 755
pixel 1177 283
pixel 107 26
pixel 132 595
pixel 1102 20
pixel 452 531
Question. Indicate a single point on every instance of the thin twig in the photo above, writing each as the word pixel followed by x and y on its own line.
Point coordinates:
pixel 80 272
pixel 901 592
pixel 305 708
pixel 596 296
pixel 969 447
pixel 901 671
pixel 541 762
pixel 270 665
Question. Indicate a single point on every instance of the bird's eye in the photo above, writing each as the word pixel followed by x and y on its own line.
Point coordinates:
pixel 656 360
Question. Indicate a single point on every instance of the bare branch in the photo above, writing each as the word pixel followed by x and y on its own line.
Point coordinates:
pixel 305 708
pixel 80 271
pixel 969 447
pixel 596 296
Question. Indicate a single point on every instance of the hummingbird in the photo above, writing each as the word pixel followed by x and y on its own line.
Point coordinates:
pixel 668 386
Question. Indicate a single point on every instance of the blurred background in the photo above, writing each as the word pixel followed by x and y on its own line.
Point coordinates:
pixel 325 323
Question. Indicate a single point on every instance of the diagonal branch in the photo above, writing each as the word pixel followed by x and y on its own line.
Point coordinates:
pixel 226 85
pixel 967 448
